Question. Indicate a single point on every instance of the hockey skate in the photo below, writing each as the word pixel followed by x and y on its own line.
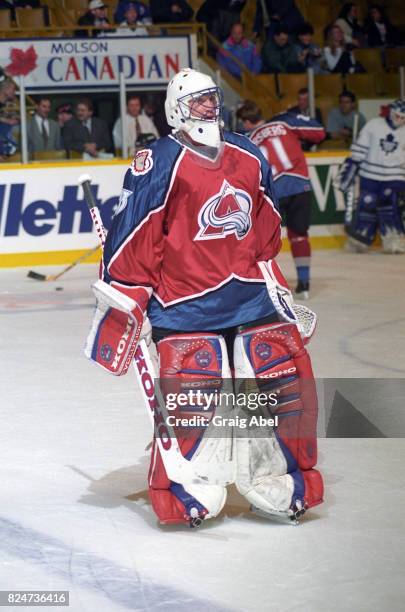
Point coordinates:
pixel 393 243
pixel 355 246
pixel 291 517
pixel 302 290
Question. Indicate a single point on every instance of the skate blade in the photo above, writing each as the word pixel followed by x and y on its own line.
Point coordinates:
pixel 281 517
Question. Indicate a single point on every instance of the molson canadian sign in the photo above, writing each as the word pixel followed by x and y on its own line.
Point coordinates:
pixel 71 63
pixel 44 217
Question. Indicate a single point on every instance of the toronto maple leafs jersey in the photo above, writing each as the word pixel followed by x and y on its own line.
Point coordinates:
pixel 380 150
pixel 279 141
pixel 194 230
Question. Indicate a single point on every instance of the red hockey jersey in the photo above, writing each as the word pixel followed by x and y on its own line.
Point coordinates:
pixel 194 230
pixel 279 141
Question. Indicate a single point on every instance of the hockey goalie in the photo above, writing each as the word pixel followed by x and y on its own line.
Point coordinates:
pixel 378 158
pixel 191 256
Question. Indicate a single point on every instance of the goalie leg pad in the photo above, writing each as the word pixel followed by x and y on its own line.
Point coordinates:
pixel 275 464
pixel 365 222
pixel 389 220
pixel 191 363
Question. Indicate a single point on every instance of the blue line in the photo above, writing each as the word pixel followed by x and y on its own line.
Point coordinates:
pixel 120 585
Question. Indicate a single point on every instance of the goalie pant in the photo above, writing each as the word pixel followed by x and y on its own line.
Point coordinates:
pixel 274 466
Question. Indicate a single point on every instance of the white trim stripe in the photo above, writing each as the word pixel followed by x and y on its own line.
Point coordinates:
pixel 208 290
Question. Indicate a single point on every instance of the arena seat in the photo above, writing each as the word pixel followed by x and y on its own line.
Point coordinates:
pixel 328 84
pixel 5 19
pixel 325 103
pixel 319 14
pixel 388 84
pixel 76 4
pixel 33 18
pixel 370 59
pixel 289 84
pixel 268 81
pixel 361 84
pixel 394 58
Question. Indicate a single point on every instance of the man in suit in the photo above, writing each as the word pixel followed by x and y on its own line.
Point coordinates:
pixel 85 133
pixel 43 132
pixel 136 124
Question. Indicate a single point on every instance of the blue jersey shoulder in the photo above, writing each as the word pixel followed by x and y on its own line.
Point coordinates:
pixel 295 121
pixel 154 162
pixel 243 142
pixel 145 188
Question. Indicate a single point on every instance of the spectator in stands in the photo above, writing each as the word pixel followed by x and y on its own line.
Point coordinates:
pixel 131 26
pixel 272 13
pixel 170 11
pixel 378 29
pixel 309 54
pixel 85 133
pixel 341 119
pixel 348 23
pixel 337 57
pixel 9 117
pixel 43 133
pixel 143 12
pixel 96 16
pixel 153 107
pixel 136 125
pixel 241 48
pixel 64 113
pixel 302 108
pixel 220 15
pixel 279 54
pixel 8 98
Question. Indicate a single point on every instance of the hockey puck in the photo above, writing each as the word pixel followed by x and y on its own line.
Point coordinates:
pixel 58 288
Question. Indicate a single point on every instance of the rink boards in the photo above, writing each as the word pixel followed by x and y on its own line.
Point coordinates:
pixel 44 218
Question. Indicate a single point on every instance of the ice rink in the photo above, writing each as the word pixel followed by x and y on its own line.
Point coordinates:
pixel 74 508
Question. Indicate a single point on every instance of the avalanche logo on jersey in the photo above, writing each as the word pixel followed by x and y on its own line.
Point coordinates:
pixel 142 163
pixel 225 213
pixel 388 144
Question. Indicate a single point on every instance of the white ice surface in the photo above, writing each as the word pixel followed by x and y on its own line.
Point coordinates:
pixel 74 510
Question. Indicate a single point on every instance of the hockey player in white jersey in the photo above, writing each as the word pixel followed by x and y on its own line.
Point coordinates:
pixel 378 156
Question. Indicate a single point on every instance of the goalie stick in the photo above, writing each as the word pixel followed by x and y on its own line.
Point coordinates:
pixel 351 194
pixel 53 277
pixel 178 468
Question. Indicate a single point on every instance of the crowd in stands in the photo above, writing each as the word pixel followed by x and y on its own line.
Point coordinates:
pixel 130 18
pixel 279 41
pixel 289 47
pixel 78 132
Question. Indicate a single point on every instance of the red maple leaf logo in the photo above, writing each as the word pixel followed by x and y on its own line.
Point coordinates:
pixel 22 62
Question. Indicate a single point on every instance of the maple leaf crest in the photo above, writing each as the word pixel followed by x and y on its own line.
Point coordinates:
pixel 22 62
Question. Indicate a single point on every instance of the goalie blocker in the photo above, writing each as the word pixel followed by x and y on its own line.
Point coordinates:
pixel 119 322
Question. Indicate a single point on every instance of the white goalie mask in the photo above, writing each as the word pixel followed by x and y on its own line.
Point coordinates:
pixel 194 105
pixel 397 113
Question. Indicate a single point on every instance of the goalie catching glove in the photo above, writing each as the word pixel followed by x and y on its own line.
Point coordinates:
pixel 280 294
pixel 119 323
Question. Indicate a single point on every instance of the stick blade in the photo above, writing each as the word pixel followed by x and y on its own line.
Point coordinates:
pixel 36 275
